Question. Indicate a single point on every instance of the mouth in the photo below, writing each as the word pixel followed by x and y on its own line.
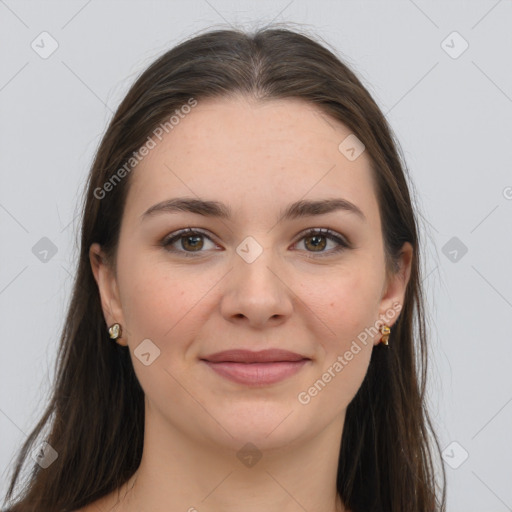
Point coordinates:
pixel 256 368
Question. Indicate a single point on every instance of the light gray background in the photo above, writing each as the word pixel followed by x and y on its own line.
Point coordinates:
pixel 452 116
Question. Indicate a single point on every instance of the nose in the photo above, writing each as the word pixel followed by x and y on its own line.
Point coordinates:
pixel 257 293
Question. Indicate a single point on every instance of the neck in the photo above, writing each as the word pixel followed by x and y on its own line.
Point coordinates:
pixel 181 473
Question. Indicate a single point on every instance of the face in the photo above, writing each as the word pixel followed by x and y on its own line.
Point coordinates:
pixel 254 280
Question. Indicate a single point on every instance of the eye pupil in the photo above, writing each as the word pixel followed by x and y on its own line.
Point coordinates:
pixel 194 244
pixel 314 241
pixel 317 244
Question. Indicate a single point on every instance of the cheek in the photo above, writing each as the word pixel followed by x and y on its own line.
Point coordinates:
pixel 347 305
pixel 159 309
pixel 153 300
pixel 348 309
pixel 164 304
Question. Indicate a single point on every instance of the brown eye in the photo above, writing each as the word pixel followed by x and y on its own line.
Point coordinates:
pixel 192 241
pixel 316 240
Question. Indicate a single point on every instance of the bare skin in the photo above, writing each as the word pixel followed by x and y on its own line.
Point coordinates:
pixel 257 158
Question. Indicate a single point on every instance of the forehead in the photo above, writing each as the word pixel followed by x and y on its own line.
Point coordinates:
pixel 242 151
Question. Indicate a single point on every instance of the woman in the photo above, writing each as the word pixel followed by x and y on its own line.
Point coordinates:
pixel 247 321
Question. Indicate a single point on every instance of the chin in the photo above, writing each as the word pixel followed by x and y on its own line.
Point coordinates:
pixel 266 424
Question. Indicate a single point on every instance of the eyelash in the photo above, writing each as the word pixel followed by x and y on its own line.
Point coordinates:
pixel 327 233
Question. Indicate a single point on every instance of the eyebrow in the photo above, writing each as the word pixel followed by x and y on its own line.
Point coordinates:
pixel 220 210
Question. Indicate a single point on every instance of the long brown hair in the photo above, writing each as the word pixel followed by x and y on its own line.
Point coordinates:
pixel 95 418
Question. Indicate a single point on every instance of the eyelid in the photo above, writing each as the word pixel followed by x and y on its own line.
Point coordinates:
pixel 326 232
pixel 176 235
pixel 341 240
pixel 343 243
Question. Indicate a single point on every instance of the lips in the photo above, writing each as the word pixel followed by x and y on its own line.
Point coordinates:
pixel 248 356
pixel 256 368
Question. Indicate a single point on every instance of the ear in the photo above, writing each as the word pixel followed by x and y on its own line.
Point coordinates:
pixel 393 292
pixel 108 289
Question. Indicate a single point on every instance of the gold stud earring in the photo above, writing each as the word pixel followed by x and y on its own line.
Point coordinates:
pixel 385 330
pixel 115 331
